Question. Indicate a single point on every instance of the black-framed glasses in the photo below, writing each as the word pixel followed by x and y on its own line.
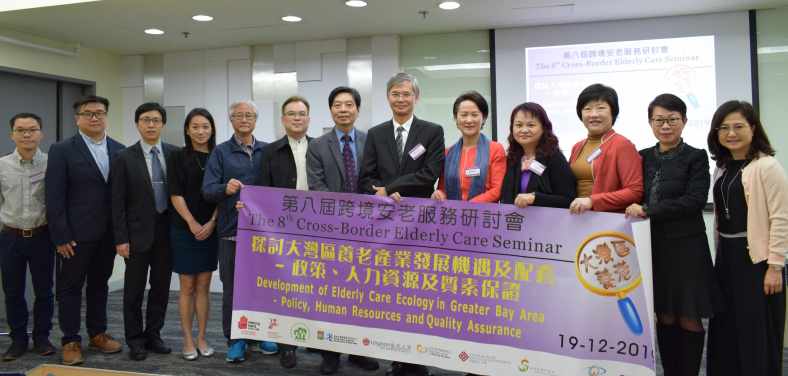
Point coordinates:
pixel 738 129
pixel 26 131
pixel 87 115
pixel 146 121
pixel 659 122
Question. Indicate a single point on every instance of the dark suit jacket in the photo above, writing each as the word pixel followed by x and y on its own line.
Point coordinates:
pixel 77 197
pixel 277 165
pixel 325 167
pixel 555 188
pixel 133 204
pixel 411 178
pixel 683 190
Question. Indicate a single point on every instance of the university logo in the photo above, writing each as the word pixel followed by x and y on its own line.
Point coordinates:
pixel 299 332
pixel 463 356
pixel 330 337
pixel 242 323
pixel 523 365
pixel 273 324
pixel 320 335
pixel 595 370
pixel 421 349
pixel 366 341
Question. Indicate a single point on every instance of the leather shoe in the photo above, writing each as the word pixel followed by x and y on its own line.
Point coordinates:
pixel 43 346
pixel 396 369
pixel 137 352
pixel 287 359
pixel 329 365
pixel 368 364
pixel 157 345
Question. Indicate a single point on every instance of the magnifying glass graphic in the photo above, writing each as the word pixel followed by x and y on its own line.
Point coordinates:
pixel 682 79
pixel 607 265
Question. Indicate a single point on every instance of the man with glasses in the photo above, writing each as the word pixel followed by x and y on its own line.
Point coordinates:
pixel 233 164
pixel 25 239
pixel 140 215
pixel 403 157
pixel 80 222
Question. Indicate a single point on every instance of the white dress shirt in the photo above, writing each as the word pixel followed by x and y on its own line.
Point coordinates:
pixel 299 154
pixel 405 131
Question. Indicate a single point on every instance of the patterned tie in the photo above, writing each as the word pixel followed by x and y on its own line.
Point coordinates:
pixel 159 191
pixel 399 143
pixel 350 165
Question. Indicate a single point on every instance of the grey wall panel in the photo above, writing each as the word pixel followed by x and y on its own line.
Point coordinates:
pixel 263 74
pixel 69 94
pixel 26 94
pixel 174 132
pixel 359 77
pixel 153 71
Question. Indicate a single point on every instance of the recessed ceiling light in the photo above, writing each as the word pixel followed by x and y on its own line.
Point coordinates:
pixel 291 18
pixel 154 31
pixel 201 17
pixel 430 57
pixel 356 3
pixel 449 5
pixel 483 51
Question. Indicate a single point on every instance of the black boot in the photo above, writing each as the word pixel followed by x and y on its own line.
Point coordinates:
pixel 690 352
pixel 667 339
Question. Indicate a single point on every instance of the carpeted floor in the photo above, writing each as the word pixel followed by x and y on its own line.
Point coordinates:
pixel 256 364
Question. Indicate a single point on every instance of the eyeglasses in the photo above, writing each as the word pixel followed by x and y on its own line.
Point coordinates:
pixel 239 116
pixel 146 121
pixel 87 115
pixel 738 129
pixel 659 122
pixel 291 114
pixel 26 131
pixel 396 96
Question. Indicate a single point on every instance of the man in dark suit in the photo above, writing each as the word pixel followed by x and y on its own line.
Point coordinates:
pixel 79 216
pixel 403 157
pixel 141 221
pixel 331 164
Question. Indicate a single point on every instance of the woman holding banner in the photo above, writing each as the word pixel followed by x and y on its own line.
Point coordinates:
pixel 676 182
pixel 751 217
pixel 607 167
pixel 474 166
pixel 194 241
pixel 537 173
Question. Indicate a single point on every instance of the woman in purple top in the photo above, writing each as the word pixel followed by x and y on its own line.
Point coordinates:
pixel 537 172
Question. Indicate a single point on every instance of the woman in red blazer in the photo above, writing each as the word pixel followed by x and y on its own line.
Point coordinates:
pixel 607 166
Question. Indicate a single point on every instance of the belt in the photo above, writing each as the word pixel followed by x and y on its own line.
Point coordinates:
pixel 27 232
pixel 742 234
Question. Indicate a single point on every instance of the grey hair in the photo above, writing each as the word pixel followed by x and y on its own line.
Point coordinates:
pixel 402 78
pixel 240 102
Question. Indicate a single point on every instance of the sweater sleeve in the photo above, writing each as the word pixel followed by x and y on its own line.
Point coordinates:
pixel 495 174
pixel 775 186
pixel 629 167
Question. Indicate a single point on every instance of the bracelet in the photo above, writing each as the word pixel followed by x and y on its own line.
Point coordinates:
pixel 776 267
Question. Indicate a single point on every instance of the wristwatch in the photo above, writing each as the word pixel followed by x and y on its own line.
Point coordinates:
pixel 213 219
pixel 776 267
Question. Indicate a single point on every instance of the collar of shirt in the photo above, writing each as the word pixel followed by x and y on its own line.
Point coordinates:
pixel 406 125
pixel 89 140
pixel 296 143
pixel 340 134
pixel 249 149
pixel 146 147
pixel 19 160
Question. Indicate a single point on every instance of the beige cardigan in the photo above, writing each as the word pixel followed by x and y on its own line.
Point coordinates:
pixel 766 192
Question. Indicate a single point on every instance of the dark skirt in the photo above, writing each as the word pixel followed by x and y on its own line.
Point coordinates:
pixel 684 280
pixel 748 338
pixel 190 256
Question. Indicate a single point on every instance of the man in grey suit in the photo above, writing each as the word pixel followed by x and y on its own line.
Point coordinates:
pixel 333 162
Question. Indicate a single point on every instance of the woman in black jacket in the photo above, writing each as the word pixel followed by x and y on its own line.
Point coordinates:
pixel 676 180
pixel 537 173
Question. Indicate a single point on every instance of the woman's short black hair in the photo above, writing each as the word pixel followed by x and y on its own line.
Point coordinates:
pixel 760 141
pixel 669 102
pixel 344 89
pixel 199 112
pixel 150 106
pixel 474 97
pixel 598 92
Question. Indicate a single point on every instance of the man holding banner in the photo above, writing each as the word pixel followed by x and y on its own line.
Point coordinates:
pixel 331 162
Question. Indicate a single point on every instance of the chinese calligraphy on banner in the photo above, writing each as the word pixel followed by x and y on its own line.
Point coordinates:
pixel 484 288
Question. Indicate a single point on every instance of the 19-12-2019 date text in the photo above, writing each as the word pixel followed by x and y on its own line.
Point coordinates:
pixel 602 345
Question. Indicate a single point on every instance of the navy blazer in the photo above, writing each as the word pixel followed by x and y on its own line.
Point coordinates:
pixel 133 201
pixel 77 197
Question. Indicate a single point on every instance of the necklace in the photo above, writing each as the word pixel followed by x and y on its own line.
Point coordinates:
pixel 198 161
pixel 724 200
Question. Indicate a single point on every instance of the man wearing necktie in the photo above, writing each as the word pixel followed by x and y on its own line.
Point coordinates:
pixel 142 230
pixel 333 162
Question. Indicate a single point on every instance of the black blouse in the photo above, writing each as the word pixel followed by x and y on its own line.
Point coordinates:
pixel 185 173
pixel 729 190
pixel 555 188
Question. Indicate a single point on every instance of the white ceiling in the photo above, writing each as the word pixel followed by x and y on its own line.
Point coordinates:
pixel 116 26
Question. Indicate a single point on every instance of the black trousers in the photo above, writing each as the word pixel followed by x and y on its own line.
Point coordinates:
pixel 92 262
pixel 159 259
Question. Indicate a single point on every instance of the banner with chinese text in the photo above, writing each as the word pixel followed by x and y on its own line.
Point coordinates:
pixel 484 288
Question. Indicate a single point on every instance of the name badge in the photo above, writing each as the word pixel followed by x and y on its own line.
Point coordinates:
pixel 594 155
pixel 537 168
pixel 417 151
pixel 472 171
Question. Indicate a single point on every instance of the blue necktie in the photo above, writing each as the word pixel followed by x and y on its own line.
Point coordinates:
pixel 159 191
pixel 350 165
